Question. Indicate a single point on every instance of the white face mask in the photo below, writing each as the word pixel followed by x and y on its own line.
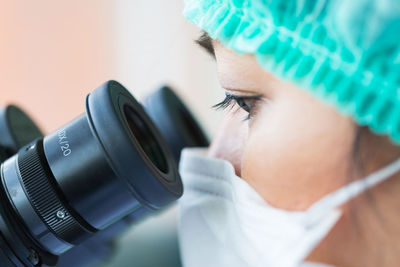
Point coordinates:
pixel 223 221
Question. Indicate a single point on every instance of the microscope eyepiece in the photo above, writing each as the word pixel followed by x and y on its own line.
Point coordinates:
pixel 105 164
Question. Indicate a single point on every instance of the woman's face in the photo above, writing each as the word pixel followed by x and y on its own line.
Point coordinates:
pixel 293 149
pixel 289 146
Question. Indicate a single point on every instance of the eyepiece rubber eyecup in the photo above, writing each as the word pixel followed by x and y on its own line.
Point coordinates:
pixel 106 111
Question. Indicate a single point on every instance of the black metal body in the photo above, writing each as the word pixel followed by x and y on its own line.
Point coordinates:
pixel 60 190
pixel 64 197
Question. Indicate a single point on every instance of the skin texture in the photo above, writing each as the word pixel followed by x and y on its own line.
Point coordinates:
pixel 295 149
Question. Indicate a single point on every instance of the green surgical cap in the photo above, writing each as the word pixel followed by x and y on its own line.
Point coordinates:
pixel 346 52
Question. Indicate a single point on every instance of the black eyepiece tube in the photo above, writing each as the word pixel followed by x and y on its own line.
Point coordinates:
pixel 16 130
pixel 105 164
pixel 112 160
pixel 175 121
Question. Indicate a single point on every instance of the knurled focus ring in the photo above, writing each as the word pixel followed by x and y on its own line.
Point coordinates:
pixel 37 181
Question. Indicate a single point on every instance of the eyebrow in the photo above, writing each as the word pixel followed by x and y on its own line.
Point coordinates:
pixel 205 42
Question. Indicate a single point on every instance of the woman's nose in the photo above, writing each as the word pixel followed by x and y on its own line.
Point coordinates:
pixel 229 140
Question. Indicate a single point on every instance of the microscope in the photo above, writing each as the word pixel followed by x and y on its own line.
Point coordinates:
pixel 83 184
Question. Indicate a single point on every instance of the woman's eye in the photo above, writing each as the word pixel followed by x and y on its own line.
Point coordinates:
pixel 247 103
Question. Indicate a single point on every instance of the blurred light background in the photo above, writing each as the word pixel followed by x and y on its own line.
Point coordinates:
pixel 53 53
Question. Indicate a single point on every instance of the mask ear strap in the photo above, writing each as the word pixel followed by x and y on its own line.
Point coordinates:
pixel 350 191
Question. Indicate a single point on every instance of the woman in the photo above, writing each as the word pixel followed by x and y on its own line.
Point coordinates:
pixel 307 169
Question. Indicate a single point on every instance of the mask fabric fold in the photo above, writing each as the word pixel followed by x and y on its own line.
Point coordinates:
pixel 223 221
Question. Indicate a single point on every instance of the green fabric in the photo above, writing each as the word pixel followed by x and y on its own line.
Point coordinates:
pixel 346 52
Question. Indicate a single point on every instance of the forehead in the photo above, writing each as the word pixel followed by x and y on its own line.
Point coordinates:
pixel 232 65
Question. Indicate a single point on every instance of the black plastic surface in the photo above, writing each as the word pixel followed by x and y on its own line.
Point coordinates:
pixel 174 120
pixel 16 129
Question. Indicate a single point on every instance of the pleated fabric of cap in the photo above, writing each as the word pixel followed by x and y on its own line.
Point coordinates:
pixel 345 52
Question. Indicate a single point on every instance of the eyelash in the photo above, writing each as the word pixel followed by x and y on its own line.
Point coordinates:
pixel 241 102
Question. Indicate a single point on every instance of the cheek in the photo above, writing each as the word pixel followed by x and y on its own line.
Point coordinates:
pixel 297 151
